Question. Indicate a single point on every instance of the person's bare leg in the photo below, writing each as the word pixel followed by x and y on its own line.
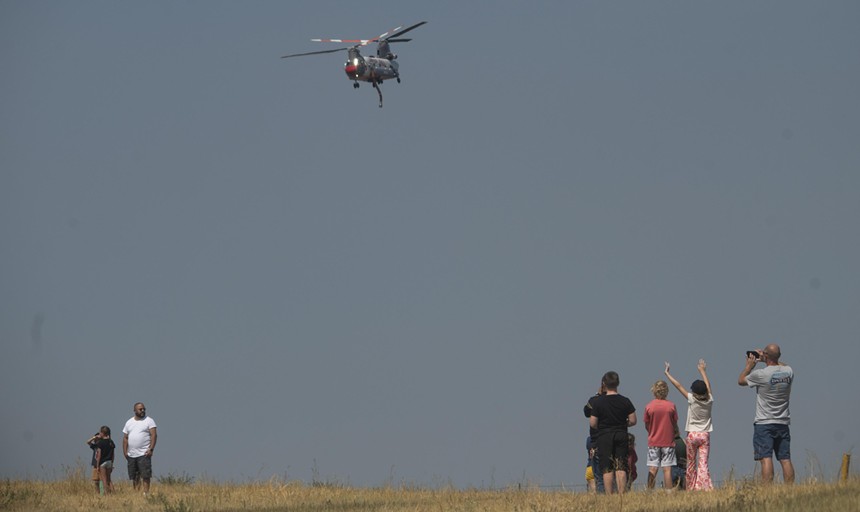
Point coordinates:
pixel 146 486
pixel 608 482
pixel 667 478
pixel 787 471
pixel 621 478
pixel 767 470
pixel 652 476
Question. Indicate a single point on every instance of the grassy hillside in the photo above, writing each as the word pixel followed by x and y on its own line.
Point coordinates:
pixel 76 493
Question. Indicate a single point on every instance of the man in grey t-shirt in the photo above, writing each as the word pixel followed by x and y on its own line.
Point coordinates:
pixel 772 416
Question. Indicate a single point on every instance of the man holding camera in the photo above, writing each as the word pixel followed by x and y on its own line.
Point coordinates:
pixel 772 417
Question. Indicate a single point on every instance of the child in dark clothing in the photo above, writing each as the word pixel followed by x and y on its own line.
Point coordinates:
pixel 632 459
pixel 103 455
pixel 679 471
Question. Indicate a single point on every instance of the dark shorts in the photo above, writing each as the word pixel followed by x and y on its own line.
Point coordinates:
pixel 140 467
pixel 612 447
pixel 769 438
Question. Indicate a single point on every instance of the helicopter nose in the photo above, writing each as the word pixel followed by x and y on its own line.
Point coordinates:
pixel 350 70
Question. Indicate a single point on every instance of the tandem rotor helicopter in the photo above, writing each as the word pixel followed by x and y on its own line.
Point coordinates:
pixel 368 69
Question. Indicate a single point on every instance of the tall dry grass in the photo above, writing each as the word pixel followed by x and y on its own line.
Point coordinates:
pixel 76 493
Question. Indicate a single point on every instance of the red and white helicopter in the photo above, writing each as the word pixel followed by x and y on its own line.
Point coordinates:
pixel 369 69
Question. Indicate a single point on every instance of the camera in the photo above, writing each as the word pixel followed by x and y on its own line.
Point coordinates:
pixel 755 354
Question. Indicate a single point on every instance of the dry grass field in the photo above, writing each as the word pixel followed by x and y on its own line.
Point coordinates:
pixel 76 493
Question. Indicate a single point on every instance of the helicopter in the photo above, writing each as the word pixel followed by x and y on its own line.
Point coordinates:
pixel 371 69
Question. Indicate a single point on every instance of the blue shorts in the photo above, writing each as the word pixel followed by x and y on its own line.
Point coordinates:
pixel 769 438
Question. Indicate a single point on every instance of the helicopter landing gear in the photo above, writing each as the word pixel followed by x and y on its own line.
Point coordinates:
pixel 378 90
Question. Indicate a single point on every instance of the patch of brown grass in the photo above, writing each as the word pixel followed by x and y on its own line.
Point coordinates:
pixel 76 493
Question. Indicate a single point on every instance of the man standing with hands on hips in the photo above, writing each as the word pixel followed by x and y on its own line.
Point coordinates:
pixel 771 435
pixel 138 443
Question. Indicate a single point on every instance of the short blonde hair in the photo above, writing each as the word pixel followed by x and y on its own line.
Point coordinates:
pixel 660 389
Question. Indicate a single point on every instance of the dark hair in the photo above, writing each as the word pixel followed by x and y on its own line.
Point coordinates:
pixel 105 430
pixel 699 389
pixel 611 380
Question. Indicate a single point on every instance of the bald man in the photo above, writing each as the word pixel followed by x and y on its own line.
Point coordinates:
pixel 772 385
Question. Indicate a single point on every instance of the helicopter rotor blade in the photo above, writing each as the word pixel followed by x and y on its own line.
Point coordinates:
pixel 401 32
pixel 315 53
pixel 392 36
pixel 359 41
pixel 382 36
pixel 393 33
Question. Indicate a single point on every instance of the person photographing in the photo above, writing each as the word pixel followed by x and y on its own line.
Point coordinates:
pixel 771 432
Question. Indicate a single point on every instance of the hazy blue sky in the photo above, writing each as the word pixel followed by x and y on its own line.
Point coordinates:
pixel 292 278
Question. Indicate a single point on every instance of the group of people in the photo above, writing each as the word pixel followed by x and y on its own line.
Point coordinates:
pixel 611 448
pixel 138 444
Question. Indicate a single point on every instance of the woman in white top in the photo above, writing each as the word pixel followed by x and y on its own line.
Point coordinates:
pixel 699 428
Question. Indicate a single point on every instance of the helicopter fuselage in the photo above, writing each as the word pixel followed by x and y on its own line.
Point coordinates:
pixel 371 69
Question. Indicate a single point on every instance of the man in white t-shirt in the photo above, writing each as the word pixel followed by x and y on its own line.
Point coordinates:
pixel 772 416
pixel 138 443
